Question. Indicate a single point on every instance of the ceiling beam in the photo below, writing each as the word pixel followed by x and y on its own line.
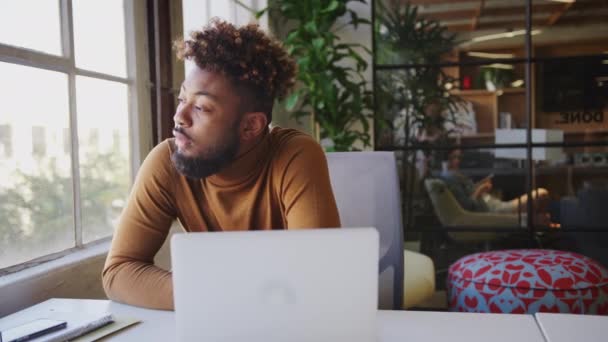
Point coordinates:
pixel 521 10
pixel 558 14
pixel 595 19
pixel 489 11
pixel 461 27
pixel 475 20
pixel 511 24
pixel 449 15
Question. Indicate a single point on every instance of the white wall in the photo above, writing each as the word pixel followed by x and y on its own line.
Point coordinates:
pixel 73 276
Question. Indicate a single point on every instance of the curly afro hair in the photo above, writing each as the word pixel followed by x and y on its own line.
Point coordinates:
pixel 257 64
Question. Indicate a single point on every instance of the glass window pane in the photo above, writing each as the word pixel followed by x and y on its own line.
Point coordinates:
pixel 570 28
pixel 99 36
pixel 481 30
pixel 571 94
pixel 33 24
pixel 433 106
pixel 577 191
pixel 35 170
pixel 103 137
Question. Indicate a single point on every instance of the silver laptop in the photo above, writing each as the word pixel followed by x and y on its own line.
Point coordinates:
pixel 281 285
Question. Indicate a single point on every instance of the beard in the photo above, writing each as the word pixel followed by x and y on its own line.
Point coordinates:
pixel 210 162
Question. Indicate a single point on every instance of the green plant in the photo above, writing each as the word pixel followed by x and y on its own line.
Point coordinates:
pixel 36 210
pixel 498 77
pixel 331 86
pixel 415 98
pixel 420 94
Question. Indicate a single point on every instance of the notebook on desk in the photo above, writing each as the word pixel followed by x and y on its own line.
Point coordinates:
pixel 303 285
pixel 77 324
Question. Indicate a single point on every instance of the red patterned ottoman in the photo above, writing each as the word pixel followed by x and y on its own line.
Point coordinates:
pixel 528 281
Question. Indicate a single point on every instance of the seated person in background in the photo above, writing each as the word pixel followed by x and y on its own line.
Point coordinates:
pixel 225 169
pixel 477 197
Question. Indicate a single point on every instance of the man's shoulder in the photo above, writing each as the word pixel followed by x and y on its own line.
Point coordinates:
pixel 287 144
pixel 158 160
pixel 161 152
pixel 288 139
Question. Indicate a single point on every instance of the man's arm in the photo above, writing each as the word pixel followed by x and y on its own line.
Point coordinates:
pixel 306 192
pixel 129 273
pixel 459 186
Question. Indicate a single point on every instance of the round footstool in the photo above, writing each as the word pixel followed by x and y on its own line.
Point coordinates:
pixel 528 281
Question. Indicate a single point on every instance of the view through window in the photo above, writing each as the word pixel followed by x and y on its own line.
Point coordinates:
pixel 64 125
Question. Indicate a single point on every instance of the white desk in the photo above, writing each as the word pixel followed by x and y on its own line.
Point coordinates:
pixel 568 327
pixel 392 325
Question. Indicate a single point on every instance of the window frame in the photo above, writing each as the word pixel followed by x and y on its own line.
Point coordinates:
pixel 136 80
pixel 410 148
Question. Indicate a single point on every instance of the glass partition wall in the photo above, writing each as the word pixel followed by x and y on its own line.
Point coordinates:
pixel 487 104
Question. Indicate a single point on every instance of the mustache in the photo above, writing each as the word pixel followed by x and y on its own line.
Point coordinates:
pixel 180 129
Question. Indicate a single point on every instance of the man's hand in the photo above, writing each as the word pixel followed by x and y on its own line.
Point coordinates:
pixel 482 188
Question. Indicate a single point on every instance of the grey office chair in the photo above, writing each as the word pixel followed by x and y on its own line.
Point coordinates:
pixel 366 187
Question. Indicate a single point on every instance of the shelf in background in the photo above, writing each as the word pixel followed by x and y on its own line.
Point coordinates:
pixel 566 133
pixel 474 136
pixel 587 131
pixel 498 92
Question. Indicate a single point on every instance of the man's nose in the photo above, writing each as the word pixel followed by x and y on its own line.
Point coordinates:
pixel 182 116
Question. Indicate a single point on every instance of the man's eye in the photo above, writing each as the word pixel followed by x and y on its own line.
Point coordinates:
pixel 180 100
pixel 202 109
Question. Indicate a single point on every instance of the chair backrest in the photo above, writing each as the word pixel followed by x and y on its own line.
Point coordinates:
pixel 451 213
pixel 366 188
pixel 446 206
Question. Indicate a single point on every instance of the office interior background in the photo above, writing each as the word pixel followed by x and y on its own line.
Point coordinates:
pixel 521 92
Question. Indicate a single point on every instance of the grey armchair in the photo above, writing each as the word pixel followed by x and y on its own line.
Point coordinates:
pixel 451 213
pixel 366 187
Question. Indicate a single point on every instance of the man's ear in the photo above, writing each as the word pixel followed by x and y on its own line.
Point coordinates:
pixel 253 125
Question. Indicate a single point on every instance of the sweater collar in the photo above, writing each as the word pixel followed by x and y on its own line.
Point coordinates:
pixel 244 166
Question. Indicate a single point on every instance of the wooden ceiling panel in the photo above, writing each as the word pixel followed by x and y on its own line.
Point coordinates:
pixel 558 13
pixel 473 15
pixel 434 2
pixel 450 15
pixel 538 8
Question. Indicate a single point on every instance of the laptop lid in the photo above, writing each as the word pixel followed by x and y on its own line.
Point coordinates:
pixel 279 285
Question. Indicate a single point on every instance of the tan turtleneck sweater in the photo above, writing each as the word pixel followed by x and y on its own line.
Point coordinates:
pixel 282 183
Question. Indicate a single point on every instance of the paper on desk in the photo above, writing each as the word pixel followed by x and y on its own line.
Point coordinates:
pixel 120 322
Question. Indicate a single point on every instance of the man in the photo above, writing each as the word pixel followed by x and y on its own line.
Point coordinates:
pixel 477 197
pixel 224 170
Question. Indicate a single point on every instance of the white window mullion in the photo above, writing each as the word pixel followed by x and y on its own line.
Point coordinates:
pixel 67 37
pixel 141 141
pixel 27 57
pixel 95 74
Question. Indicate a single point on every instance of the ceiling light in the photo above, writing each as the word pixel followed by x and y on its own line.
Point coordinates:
pixel 517 83
pixel 499 66
pixel 565 1
pixel 503 35
pixel 490 55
